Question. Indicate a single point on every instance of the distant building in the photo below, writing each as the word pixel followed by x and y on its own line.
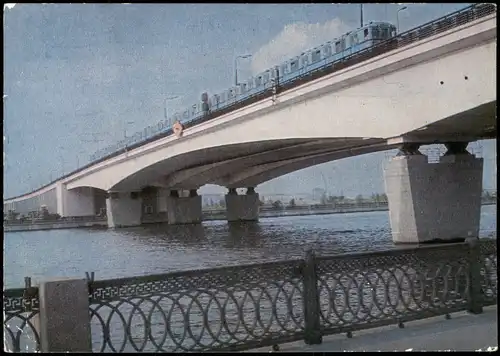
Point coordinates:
pixel 317 193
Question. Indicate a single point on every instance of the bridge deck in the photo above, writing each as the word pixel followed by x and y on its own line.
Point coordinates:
pixel 463 332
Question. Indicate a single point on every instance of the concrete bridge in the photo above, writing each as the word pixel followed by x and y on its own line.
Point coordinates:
pixel 438 89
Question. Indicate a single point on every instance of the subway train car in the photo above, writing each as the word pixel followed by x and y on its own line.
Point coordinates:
pixel 329 52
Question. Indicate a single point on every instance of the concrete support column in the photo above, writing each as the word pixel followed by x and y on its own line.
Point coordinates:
pixel 75 202
pixel 64 322
pixel 242 207
pixel 124 209
pixel 434 202
pixel 184 210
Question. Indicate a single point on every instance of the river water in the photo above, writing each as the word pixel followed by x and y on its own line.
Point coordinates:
pixel 161 248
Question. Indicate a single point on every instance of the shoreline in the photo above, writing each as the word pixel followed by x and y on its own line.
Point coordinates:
pixel 207 216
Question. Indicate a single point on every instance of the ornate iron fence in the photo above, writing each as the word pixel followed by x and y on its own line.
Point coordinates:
pixel 376 289
pixel 489 282
pixel 20 324
pixel 244 307
pixel 230 308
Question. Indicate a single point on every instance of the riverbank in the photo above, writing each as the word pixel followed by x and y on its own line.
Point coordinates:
pixel 53 225
pixel 208 215
pixel 213 215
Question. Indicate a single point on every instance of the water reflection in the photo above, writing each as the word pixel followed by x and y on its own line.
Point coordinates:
pixel 160 248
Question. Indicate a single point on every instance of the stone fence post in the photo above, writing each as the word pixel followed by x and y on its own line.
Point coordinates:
pixel 312 310
pixel 64 321
pixel 475 295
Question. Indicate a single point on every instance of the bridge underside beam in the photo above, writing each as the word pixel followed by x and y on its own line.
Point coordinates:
pixel 255 175
pixel 434 202
pixel 198 176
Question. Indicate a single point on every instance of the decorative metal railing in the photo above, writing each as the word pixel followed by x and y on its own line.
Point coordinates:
pixel 163 128
pixel 245 307
pixel 218 309
pixel 21 309
pixel 489 284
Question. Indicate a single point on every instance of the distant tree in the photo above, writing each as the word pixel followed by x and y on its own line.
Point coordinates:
pixel 278 205
pixel 376 197
pixel 359 199
pixel 324 199
pixel 291 203
pixel 383 198
pixel 261 202
pixel 222 203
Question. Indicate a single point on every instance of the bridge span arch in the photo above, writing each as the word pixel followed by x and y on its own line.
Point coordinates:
pixel 390 95
pixel 192 169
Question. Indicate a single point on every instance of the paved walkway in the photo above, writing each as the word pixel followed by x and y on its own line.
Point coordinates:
pixel 463 332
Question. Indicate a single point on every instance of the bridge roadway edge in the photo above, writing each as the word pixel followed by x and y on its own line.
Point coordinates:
pixel 463 332
pixel 440 35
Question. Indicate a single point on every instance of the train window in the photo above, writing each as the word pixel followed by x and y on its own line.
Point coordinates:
pixel 294 65
pixel 243 87
pixel 266 77
pixel 354 39
pixel 304 60
pixel 275 72
pixel 385 33
pixel 365 32
pixel 316 56
pixel 194 110
pixel 284 69
pixel 375 33
pixel 250 84
pixel 327 50
pixel 338 47
pixel 230 94
pixel 258 80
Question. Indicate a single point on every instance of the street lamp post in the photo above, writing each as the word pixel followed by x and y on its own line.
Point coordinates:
pixel 168 98
pixel 236 66
pixel 397 17
pixel 361 14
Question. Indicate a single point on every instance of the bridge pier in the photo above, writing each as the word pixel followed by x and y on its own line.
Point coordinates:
pixel 242 207
pixel 434 202
pixel 75 202
pixel 124 209
pixel 184 210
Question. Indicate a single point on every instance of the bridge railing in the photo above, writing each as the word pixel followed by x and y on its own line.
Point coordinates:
pixel 164 129
pixel 244 307
pixel 429 29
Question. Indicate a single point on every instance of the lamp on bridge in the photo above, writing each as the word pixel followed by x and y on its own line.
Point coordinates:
pixel 397 17
pixel 236 66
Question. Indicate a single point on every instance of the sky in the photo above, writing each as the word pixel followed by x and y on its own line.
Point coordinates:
pixel 80 76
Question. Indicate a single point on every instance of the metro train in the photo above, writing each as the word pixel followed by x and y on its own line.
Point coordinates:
pixel 295 69
pixel 329 52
